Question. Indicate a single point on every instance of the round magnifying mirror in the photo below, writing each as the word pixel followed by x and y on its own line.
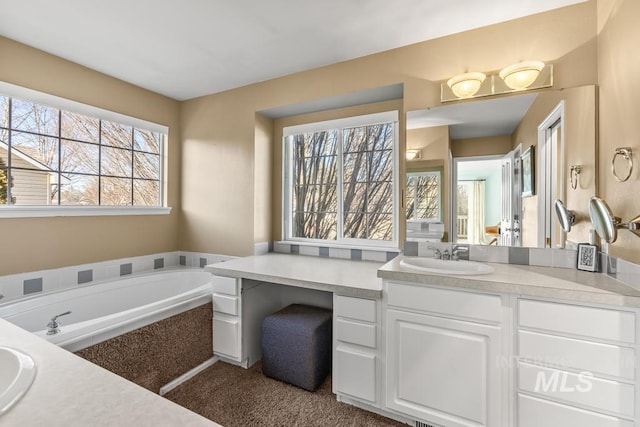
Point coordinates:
pixel 602 219
pixel 565 216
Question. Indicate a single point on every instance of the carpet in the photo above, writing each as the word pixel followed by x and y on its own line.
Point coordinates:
pixel 238 397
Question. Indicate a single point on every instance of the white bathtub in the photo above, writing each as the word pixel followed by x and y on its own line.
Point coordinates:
pixel 104 310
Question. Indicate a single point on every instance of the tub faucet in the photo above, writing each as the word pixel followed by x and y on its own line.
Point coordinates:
pixel 53 327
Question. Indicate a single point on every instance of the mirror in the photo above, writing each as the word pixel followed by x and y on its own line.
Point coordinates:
pixel 566 217
pixel 506 160
pixel 606 224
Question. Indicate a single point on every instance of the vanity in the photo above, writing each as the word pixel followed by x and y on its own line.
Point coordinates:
pixel 521 346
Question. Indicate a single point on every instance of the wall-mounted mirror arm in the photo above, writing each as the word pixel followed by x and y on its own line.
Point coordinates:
pixel 566 217
pixel 606 224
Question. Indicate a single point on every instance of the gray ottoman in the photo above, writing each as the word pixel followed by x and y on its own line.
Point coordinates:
pixel 296 345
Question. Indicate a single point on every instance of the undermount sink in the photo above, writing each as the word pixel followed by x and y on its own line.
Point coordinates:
pixel 438 266
pixel 18 372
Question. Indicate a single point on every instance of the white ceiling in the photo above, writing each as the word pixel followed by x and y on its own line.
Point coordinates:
pixel 188 48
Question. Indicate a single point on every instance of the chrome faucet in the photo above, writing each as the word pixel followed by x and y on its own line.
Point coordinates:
pixel 436 252
pixel 457 249
pixel 53 327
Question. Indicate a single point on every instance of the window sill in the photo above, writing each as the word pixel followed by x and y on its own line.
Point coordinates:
pixel 57 211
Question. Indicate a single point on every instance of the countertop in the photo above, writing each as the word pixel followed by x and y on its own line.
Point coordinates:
pixel 351 278
pixel 70 391
pixel 561 283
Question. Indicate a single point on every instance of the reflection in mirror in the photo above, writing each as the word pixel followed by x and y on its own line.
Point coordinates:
pixel 566 217
pixel 559 128
pixel 424 205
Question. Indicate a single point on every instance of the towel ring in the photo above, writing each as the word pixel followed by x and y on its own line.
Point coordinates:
pixel 575 175
pixel 626 153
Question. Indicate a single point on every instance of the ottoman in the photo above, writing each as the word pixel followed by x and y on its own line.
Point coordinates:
pixel 296 345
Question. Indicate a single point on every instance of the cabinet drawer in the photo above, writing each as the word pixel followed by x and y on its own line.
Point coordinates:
pixel 225 285
pixel 355 374
pixel 355 308
pixel 591 322
pixel 485 308
pixel 225 337
pixel 595 393
pixel 225 304
pixel 533 412
pixel 356 333
pixel 578 354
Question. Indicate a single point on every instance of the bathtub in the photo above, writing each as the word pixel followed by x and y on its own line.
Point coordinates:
pixel 107 309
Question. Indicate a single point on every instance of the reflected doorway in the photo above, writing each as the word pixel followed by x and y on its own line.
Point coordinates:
pixel 481 194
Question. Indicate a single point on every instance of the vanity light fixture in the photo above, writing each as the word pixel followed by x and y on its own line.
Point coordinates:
pixel 466 85
pixel 521 75
pixel 413 154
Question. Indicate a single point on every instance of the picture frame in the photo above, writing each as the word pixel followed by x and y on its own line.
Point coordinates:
pixel 527 180
pixel 587 257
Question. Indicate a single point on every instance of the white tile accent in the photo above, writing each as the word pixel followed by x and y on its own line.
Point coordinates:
pixel 281 247
pixel 261 248
pixel 625 272
pixel 563 258
pixel 340 253
pixel 310 250
pixel 376 256
pixel 11 287
pixel 540 257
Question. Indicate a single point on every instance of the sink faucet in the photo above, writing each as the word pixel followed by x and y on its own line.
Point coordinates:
pixel 53 327
pixel 436 252
pixel 456 250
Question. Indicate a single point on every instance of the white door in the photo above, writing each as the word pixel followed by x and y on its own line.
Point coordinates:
pixel 444 371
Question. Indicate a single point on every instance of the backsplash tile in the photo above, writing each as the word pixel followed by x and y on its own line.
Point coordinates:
pixel 323 251
pixel 31 286
pixel 411 248
pixel 540 257
pixel 309 250
pixel 126 269
pixel 519 256
pixel 85 276
pixel 356 254
pixel 183 260
pixel 294 249
pixel 203 262
pixel 158 263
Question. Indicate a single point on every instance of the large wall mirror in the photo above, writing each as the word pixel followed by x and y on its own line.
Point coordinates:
pixel 503 162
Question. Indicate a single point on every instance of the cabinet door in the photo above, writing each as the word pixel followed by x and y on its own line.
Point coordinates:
pixel 226 336
pixel 355 373
pixel 444 371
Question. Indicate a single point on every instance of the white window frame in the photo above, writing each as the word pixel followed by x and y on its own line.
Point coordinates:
pixel 29 211
pixel 438 175
pixel 287 172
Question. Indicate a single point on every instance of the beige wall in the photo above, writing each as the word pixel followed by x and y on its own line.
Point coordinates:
pixel 219 130
pixel 263 207
pixel 619 68
pixel 41 243
pixel 485 146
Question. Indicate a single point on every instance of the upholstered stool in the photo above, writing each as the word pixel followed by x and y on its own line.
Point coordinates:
pixel 296 345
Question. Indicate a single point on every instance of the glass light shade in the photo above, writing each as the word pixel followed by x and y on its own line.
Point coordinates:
pixel 413 154
pixel 522 75
pixel 466 85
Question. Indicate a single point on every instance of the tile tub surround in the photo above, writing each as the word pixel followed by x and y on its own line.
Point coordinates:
pixel 69 391
pixel 545 282
pixel 16 286
pixel 154 355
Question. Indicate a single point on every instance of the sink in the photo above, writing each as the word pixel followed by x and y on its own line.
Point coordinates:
pixel 18 372
pixel 438 266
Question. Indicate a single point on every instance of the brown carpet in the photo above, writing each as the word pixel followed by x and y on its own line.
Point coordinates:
pixel 237 397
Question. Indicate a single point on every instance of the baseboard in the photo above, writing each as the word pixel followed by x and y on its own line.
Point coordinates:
pixel 187 375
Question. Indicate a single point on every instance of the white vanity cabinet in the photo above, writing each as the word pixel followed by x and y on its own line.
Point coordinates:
pixel 227 317
pixel 443 353
pixel 356 349
pixel 576 365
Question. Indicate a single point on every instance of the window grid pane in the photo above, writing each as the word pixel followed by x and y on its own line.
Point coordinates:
pixel 365 209
pixel 58 157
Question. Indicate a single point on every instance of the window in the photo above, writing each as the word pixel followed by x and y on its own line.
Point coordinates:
pixel 340 181
pixel 57 156
pixel 423 196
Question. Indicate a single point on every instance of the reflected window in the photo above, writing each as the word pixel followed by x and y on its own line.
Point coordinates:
pixel 424 197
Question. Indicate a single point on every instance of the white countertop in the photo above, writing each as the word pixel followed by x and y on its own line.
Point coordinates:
pixel 352 278
pixel 561 283
pixel 70 391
